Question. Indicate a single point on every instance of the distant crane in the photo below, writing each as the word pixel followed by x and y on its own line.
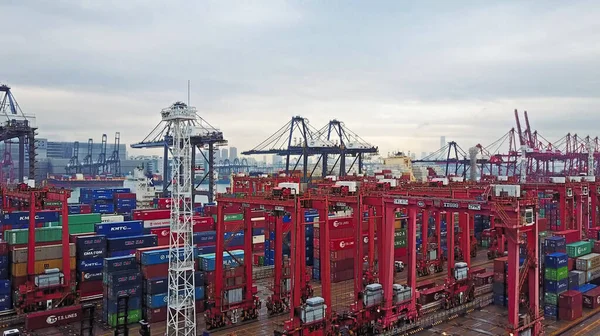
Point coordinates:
pixel 7 165
pixel 17 125
pixel 100 165
pixel 73 165
pixel 114 161
pixel 88 160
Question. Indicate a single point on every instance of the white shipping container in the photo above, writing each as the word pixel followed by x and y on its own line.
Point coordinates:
pixel 156 223
pixel 592 274
pixel 234 296
pixel 558 179
pixel 352 185
pixel 112 219
pixel 258 239
pixel 310 314
pixel 588 262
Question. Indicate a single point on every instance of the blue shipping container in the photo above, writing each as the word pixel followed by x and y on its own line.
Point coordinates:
pixel 206 249
pixel 98 194
pixel 586 287
pixel 160 300
pixel 85 265
pixel 161 256
pixel 5 287
pixel 156 286
pixel 3 261
pixel 258 231
pixel 123 253
pixel 555 242
pixel 205 237
pixel 91 240
pixel 556 260
pixel 121 190
pixel 556 287
pixel 122 279
pixel 134 303
pixel 92 252
pixel 573 281
pixel 207 261
pixel 120 229
pixel 129 243
pixel 550 310
pixel 113 293
pixel 115 264
pixel 4 273
pixel 5 302
pixel 91 275
pixel 22 217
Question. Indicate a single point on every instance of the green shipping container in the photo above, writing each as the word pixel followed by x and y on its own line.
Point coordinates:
pixel 400 233
pixel 579 249
pixel 556 274
pixel 42 235
pixel 79 219
pixel 82 228
pixel 230 217
pixel 399 243
pixel 551 298
pixel 134 317
pixel 484 243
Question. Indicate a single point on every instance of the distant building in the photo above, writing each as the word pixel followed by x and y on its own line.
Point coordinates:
pixel 233 153
pixel 224 154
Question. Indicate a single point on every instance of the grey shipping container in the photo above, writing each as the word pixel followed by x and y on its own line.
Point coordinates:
pixel 49 252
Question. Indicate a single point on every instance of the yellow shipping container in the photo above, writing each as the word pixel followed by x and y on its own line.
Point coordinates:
pixel 40 266
pixel 397 224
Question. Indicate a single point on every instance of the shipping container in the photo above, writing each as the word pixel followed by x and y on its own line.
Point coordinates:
pixel 122 278
pixel 120 229
pixel 556 287
pixel 89 264
pixel 157 223
pixel 116 264
pixel 578 249
pixel 556 260
pixel 133 316
pixel 588 262
pixel 85 241
pixel 91 275
pixel 128 243
pixel 53 318
pixel 207 261
pixel 49 252
pixel 591 298
pixel 92 253
pixel 42 235
pixel 114 293
pixel 133 303
pixel 22 217
pixel 162 256
pixel 19 270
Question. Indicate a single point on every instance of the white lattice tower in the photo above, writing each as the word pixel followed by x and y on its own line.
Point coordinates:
pixel 181 318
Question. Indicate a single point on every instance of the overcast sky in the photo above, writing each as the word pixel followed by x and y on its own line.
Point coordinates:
pixel 400 74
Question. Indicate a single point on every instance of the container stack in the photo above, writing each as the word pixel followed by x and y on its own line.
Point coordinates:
pixel 122 277
pixel 80 223
pixel 269 259
pixel 258 241
pixel 125 201
pixel 20 220
pixel 101 200
pixel 570 305
pixel 91 251
pixel 155 267
pixel 153 218
pixel 5 286
pixel 341 246
pixel 500 281
pixel 234 276
pixel 555 282
pixel 77 209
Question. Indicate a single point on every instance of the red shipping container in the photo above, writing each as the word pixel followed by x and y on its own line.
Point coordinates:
pixel 164 203
pixel 89 287
pixel 161 232
pixel 151 214
pixel 85 209
pixel 53 317
pixel 591 298
pixel 596 248
pixel 342 265
pixel 499 277
pixel 571 236
pixel 431 295
pixel 542 224
pixel 155 271
pixel 258 224
pixel 342 276
pixel 346 233
pixel 156 315
pixel 571 264
pixel 124 196
pixel 499 264
pixel 570 299
pixel 203 223
pixel 593 232
pixel 338 223
pixel 3 248
pixel 341 244
pixel 399 252
pixel 258 247
pixel 570 314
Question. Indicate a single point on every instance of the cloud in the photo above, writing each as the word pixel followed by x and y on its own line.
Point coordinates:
pixel 399 75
